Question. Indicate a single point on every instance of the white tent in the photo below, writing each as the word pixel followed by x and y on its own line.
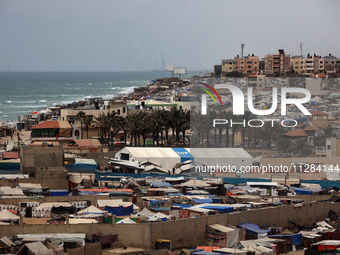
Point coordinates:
pixel 126 221
pixel 91 210
pixel 144 212
pixel 6 215
pixel 158 217
pixel 165 157
pixel 195 183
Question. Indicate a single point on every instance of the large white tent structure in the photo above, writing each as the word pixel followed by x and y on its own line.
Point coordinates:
pixel 167 158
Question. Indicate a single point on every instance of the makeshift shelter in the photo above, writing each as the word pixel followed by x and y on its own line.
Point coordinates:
pixel 117 207
pixel 91 210
pixel 30 187
pixel 35 248
pixel 126 221
pixel 294 241
pixel 254 231
pixel 222 236
pixel 158 217
pixel 194 184
pixel 301 191
pixel 6 215
pixel 167 158
pixel 144 213
pixel 90 145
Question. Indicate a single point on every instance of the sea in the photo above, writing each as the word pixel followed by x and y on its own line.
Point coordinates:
pixel 22 93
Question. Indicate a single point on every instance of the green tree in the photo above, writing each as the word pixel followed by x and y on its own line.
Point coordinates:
pixel 79 117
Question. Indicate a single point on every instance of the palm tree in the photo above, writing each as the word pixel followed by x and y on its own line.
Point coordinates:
pixel 300 147
pixel 79 117
pixel 155 124
pixel 103 123
pixel 179 121
pixel 134 124
pixel 87 121
pixel 270 133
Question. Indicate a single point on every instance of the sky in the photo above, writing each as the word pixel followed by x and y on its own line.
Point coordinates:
pixel 139 35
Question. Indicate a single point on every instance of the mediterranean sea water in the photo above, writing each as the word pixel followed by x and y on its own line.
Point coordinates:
pixel 22 93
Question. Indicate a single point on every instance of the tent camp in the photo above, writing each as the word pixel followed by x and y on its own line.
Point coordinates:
pixel 126 221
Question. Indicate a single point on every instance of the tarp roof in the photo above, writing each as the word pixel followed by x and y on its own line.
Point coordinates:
pixel 221 228
pixel 91 209
pixel 36 247
pixel 88 143
pixel 53 125
pixel 194 183
pixel 11 191
pixel 144 212
pixel 253 228
pixel 85 161
pixel 5 215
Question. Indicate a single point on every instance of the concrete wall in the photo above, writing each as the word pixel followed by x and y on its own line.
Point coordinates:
pixel 187 232
pixel 34 157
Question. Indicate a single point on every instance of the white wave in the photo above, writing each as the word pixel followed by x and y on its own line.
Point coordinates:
pixel 90 83
pixel 5 116
pixel 42 101
pixel 9 102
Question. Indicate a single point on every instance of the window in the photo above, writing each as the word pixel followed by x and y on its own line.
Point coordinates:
pixel 328 147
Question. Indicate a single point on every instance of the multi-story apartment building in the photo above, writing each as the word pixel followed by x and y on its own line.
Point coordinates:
pixel 278 64
pixel 315 64
pixel 247 65
pixel 228 65
pixel 332 64
pixel 298 64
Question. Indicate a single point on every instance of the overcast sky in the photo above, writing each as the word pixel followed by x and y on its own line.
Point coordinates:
pixel 116 35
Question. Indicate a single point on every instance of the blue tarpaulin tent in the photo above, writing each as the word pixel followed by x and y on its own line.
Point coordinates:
pixel 296 238
pixel 223 209
pixel 301 191
pixel 59 193
pixel 160 184
pixel 203 201
pixel 253 228
pixel 120 210
pixel 182 206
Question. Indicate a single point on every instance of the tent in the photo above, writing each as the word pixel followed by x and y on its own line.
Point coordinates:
pixel 195 184
pixel 167 158
pixel 91 210
pixel 158 217
pixel 254 229
pixel 145 212
pixel 300 191
pixel 126 221
pixel 222 235
pixel 5 215
pixel 36 248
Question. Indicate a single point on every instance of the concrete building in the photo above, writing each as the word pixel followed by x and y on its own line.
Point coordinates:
pixel 315 64
pixel 317 86
pixel 298 64
pixel 332 147
pixel 319 119
pixel 278 64
pixel 332 64
pixel 228 65
pixel 257 81
pixel 247 65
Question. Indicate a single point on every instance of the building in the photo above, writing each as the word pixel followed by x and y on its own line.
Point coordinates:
pixel 332 64
pixel 228 65
pixel 316 86
pixel 332 147
pixel 247 65
pixel 319 119
pixel 278 64
pixel 315 64
pixel 257 81
pixel 298 64
pixel 52 131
